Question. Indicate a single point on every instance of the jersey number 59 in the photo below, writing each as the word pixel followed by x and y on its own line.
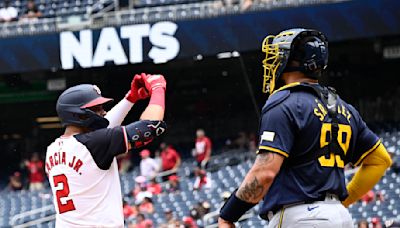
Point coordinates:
pixel 343 138
pixel 61 193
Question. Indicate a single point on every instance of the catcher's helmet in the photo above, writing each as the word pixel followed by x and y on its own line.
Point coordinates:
pixel 72 107
pixel 308 47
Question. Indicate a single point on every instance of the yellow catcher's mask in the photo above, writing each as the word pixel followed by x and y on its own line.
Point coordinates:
pixel 313 55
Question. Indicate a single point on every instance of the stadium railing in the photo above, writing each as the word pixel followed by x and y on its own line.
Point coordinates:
pixel 20 217
pixel 101 15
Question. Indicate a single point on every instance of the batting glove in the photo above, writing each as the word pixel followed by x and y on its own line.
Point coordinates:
pixel 154 82
pixel 138 90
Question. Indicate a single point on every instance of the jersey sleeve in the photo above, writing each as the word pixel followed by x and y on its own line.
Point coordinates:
pixel 366 142
pixel 209 143
pixel 105 144
pixel 177 155
pixel 276 131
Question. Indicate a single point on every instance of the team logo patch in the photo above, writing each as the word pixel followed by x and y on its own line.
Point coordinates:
pixel 268 136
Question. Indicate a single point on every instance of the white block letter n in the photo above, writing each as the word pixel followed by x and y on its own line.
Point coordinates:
pixel 71 48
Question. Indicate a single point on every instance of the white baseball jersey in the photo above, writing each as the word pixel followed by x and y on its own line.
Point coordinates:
pixel 84 178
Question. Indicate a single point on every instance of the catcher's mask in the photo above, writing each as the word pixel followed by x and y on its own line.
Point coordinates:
pixel 309 48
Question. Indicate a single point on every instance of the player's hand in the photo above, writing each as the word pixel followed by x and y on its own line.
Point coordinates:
pixel 138 90
pixel 222 223
pixel 153 82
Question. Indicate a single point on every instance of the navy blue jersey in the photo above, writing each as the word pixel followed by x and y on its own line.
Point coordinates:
pixel 295 123
pixel 105 144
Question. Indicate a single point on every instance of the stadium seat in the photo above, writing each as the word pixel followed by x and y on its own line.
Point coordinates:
pixel 226 178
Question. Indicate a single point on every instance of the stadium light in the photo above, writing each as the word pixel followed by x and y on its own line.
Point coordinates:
pixel 224 55
pixel 50 126
pixel 227 55
pixel 198 57
pixel 391 52
pixel 49 119
pixel 235 54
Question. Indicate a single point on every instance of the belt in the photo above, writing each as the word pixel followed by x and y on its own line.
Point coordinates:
pixel 272 212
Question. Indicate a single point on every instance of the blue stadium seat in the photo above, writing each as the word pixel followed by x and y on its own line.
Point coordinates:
pixel 227 178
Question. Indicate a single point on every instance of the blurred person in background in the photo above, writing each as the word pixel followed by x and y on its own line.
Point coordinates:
pixel 8 12
pixel 141 191
pixel 253 142
pixel 376 222
pixel 170 220
pixel 224 197
pixel 170 160
pixel 362 224
pixel 396 164
pixel 129 211
pixel 146 207
pixel 368 197
pixel 141 222
pixel 380 196
pixel 139 182
pixel 148 166
pixel 157 158
pixel 246 4
pixel 32 11
pixel 188 222
pixel 173 184
pixel 154 187
pixel 124 163
pixel 392 223
pixel 15 183
pixel 36 172
pixel 202 150
pixel 200 209
pixel 241 141
pixel 202 180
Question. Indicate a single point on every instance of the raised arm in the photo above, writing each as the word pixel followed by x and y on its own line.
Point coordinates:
pixel 137 92
pixel 156 85
pixel 151 124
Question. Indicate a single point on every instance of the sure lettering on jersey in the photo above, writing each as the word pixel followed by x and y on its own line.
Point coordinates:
pixel 320 111
pixel 344 112
pixel 60 158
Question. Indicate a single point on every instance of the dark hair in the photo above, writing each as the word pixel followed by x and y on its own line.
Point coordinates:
pixel 141 215
pixel 149 199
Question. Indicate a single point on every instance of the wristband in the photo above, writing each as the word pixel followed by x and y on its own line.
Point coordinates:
pixel 158 97
pixel 234 208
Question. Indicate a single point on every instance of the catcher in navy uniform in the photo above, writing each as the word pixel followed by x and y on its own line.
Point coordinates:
pixel 81 164
pixel 307 135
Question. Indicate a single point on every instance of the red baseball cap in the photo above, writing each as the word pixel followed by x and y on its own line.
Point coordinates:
pixel 375 220
pixel 188 220
pixel 173 178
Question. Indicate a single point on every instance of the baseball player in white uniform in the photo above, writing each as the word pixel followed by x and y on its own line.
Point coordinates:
pixel 81 164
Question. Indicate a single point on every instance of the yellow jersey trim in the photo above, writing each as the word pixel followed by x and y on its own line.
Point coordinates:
pixel 281 218
pixel 367 152
pixel 271 149
pixel 287 86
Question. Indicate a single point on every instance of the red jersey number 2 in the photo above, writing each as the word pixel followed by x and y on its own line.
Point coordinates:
pixel 64 192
